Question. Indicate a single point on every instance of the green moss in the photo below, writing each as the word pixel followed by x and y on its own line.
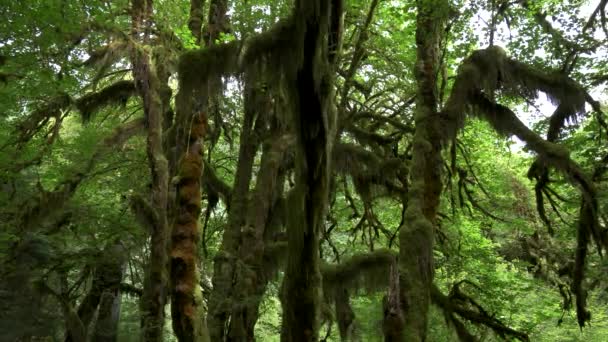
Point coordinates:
pixel 366 271
pixel 115 94
pixel 196 67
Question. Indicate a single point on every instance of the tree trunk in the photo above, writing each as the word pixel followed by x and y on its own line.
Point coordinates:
pixel 154 295
pixel 186 296
pixel 221 299
pixel 417 232
pixel 106 327
pixel 195 22
pixel 345 316
pixel 251 275
pixel 310 94
pixel 392 324
pixel 106 278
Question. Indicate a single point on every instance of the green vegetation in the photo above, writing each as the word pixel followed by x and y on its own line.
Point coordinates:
pixel 306 170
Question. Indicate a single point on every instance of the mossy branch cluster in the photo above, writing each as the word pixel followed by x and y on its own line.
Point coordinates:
pixel 366 271
pixel 488 71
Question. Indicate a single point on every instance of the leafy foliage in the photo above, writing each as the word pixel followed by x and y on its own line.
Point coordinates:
pixel 81 83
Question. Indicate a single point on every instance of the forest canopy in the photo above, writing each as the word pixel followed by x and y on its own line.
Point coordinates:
pixel 306 170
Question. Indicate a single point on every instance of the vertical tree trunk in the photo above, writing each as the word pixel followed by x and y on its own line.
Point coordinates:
pixel 153 299
pixel 221 299
pixel 310 94
pixel 106 278
pixel 106 327
pixel 417 233
pixel 186 295
pixel 392 324
pixel 345 316
pixel 251 276
pixel 195 22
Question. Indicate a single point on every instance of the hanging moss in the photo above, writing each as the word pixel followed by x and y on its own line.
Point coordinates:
pixel 106 56
pixel 277 48
pixel 366 271
pixel 40 117
pixel 459 303
pixel 490 70
pixel 196 67
pixel 115 94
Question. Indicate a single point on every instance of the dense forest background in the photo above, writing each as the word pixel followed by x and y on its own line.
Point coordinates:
pixel 307 170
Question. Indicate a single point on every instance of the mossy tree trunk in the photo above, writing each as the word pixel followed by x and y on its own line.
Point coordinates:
pixel 345 316
pixel 417 232
pixel 251 274
pixel 195 22
pixel 186 296
pixel 221 299
pixel 106 326
pixel 393 322
pixel 153 299
pixel 310 92
pixel 189 321
pixel 107 277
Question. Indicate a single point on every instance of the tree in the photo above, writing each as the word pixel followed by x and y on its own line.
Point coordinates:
pixel 344 156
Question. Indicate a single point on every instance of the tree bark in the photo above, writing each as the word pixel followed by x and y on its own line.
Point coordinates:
pixel 345 316
pixel 195 22
pixel 186 296
pixel 310 93
pixel 221 300
pixel 106 278
pixel 417 232
pixel 154 295
pixel 106 327
pixel 251 275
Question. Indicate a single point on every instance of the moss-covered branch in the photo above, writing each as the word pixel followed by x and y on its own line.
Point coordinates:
pixel 51 203
pixel 491 70
pixel 367 271
pixel 114 94
pixel 467 308
pixel 478 78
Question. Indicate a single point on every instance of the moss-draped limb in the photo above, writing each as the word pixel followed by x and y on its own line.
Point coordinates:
pixel 116 93
pixel 51 203
pixel 364 271
pixel 56 108
pixel 490 70
pixel 505 121
pixel 37 120
pixel 458 303
pixel 214 186
pixel 369 172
